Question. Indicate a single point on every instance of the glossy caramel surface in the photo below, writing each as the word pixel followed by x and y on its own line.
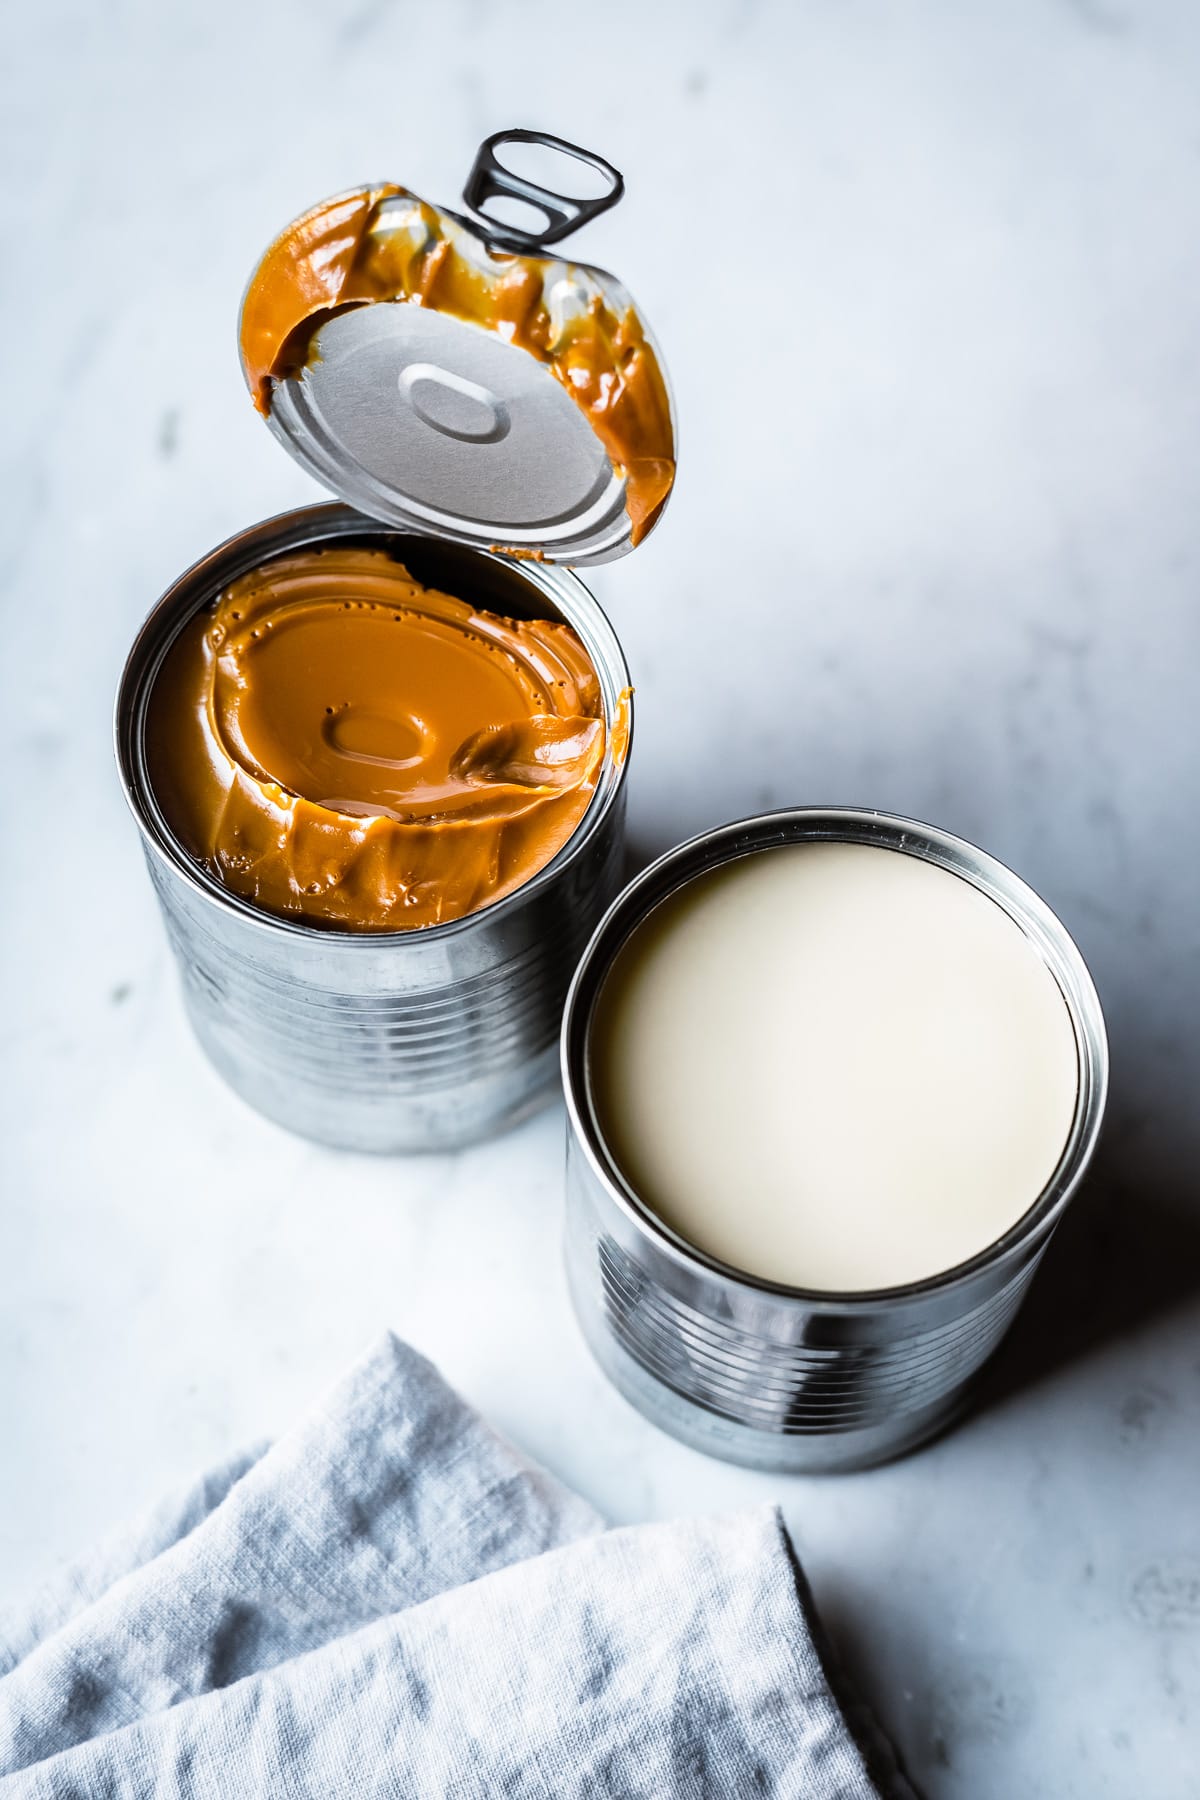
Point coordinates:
pixel 334 741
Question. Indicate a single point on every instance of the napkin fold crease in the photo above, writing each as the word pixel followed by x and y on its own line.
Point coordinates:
pixel 391 1600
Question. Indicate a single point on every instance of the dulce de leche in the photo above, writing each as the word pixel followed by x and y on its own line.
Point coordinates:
pixel 334 741
pixel 384 244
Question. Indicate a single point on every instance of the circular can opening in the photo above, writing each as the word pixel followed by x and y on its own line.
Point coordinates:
pixel 522 592
pixel 1030 944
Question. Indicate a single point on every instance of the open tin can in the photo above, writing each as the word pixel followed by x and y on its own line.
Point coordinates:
pixel 775 1377
pixel 410 1040
pixel 466 460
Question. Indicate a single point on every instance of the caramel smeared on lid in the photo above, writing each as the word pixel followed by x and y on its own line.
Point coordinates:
pixel 384 244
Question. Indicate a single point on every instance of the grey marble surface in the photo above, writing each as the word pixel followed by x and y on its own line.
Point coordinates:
pixel 927 278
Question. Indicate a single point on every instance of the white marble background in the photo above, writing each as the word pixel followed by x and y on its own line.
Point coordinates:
pixel 928 280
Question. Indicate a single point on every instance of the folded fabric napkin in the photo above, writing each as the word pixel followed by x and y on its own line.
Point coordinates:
pixel 391 1601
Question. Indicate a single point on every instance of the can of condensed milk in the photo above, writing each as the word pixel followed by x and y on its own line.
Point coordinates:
pixel 376 750
pixel 832 1077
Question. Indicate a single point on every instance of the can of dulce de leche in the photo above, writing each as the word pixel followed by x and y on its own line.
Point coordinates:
pixel 376 749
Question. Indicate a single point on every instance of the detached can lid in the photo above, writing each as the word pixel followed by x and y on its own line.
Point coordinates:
pixel 446 376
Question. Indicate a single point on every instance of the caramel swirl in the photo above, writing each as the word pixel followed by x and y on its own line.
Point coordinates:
pixel 383 244
pixel 335 741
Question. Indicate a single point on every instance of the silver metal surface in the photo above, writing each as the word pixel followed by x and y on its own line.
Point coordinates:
pixel 436 425
pixel 415 1040
pixel 783 1378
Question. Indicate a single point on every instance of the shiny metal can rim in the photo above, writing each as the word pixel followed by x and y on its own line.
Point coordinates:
pixel 300 528
pixel 710 849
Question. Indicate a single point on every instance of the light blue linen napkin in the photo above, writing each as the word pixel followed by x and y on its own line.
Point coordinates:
pixel 390 1600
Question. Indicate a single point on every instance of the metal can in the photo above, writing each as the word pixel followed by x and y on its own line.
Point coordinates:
pixel 783 1378
pixel 418 1040
pixel 449 437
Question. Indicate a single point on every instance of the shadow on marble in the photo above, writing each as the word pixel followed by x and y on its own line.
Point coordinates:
pixel 898 1705
pixel 644 847
pixel 1126 1255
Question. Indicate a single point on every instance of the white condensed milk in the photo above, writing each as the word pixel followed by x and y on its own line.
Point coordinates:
pixel 834 1066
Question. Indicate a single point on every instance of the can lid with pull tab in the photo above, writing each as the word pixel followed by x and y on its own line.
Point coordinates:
pixel 446 376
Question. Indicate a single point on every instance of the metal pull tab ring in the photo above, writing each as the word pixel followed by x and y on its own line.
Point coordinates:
pixel 490 180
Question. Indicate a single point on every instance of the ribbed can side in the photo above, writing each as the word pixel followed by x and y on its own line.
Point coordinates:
pixel 420 1040
pixel 830 1401
pixel 801 1389
pixel 326 1042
